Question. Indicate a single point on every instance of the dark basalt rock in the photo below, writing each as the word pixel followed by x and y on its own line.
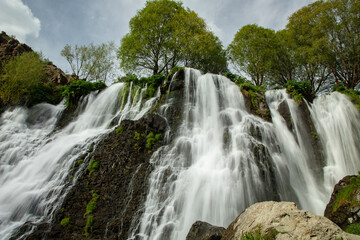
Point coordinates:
pixel 120 182
pixel 347 211
pixel 205 231
pixel 255 103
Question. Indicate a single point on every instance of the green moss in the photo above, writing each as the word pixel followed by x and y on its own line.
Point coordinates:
pixel 137 136
pixel 93 165
pixel 346 194
pixel 65 221
pixel 91 206
pixel 90 149
pixel 89 222
pixel 119 130
pixel 256 234
pixel 151 139
pixel 353 229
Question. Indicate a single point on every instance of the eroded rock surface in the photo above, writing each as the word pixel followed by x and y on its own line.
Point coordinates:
pixel 283 220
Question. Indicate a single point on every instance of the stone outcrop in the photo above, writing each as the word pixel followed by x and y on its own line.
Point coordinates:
pixel 255 103
pixel 205 231
pixel 283 220
pixel 10 48
pixel 113 177
pixel 344 206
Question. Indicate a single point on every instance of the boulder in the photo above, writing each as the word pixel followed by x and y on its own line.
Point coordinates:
pixel 344 206
pixel 205 231
pixel 283 220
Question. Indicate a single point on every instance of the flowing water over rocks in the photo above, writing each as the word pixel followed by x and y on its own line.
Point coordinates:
pixel 214 160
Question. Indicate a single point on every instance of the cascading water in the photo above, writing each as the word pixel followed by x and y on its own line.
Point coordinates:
pixel 221 160
pixel 35 162
pixel 224 159
pixel 337 123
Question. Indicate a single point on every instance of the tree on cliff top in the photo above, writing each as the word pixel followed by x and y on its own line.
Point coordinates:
pixel 163 35
pixel 92 62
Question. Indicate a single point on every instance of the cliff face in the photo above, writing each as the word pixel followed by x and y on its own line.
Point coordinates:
pixel 10 48
pixel 106 200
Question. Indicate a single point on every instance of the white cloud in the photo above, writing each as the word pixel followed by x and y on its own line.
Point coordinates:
pixel 17 19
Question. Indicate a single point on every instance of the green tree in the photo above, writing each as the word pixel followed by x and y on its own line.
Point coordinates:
pixel 163 35
pixel 252 51
pixel 19 76
pixel 327 35
pixel 92 62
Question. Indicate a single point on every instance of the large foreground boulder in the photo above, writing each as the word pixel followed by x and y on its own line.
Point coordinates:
pixel 344 206
pixel 283 220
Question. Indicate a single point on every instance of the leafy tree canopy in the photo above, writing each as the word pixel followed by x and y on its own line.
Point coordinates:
pixel 92 62
pixel 163 35
pixel 251 52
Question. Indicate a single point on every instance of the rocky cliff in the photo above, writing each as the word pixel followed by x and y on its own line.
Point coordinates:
pixel 10 48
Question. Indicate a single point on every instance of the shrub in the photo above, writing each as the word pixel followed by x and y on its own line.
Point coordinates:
pixel 78 88
pixel 20 75
pixel 300 90
pixel 151 139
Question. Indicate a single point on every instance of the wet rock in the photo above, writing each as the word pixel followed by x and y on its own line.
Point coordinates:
pixel 114 178
pixel 283 220
pixel 344 209
pixel 205 231
pixel 284 111
pixel 255 103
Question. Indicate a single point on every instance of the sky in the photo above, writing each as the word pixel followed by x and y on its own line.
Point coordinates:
pixel 48 25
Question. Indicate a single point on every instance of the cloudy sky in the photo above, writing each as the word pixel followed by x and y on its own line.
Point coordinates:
pixel 47 25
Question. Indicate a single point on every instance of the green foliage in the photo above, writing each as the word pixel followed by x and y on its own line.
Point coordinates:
pixel 151 139
pixel 137 136
pixel 119 130
pixel 163 35
pixel 78 88
pixel 249 86
pixel 346 194
pixel 327 36
pixel 44 93
pixel 93 165
pixel 354 95
pixel 92 62
pixel 353 229
pixel 19 77
pixel 235 78
pixel 256 234
pixel 251 52
pixel 300 90
pixel 65 221
pixel 89 222
pixel 91 206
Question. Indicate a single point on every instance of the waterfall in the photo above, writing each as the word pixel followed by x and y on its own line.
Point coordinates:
pixel 36 159
pixel 218 161
pixel 337 123
pixel 224 159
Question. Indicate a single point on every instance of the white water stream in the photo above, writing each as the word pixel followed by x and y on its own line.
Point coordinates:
pixel 35 162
